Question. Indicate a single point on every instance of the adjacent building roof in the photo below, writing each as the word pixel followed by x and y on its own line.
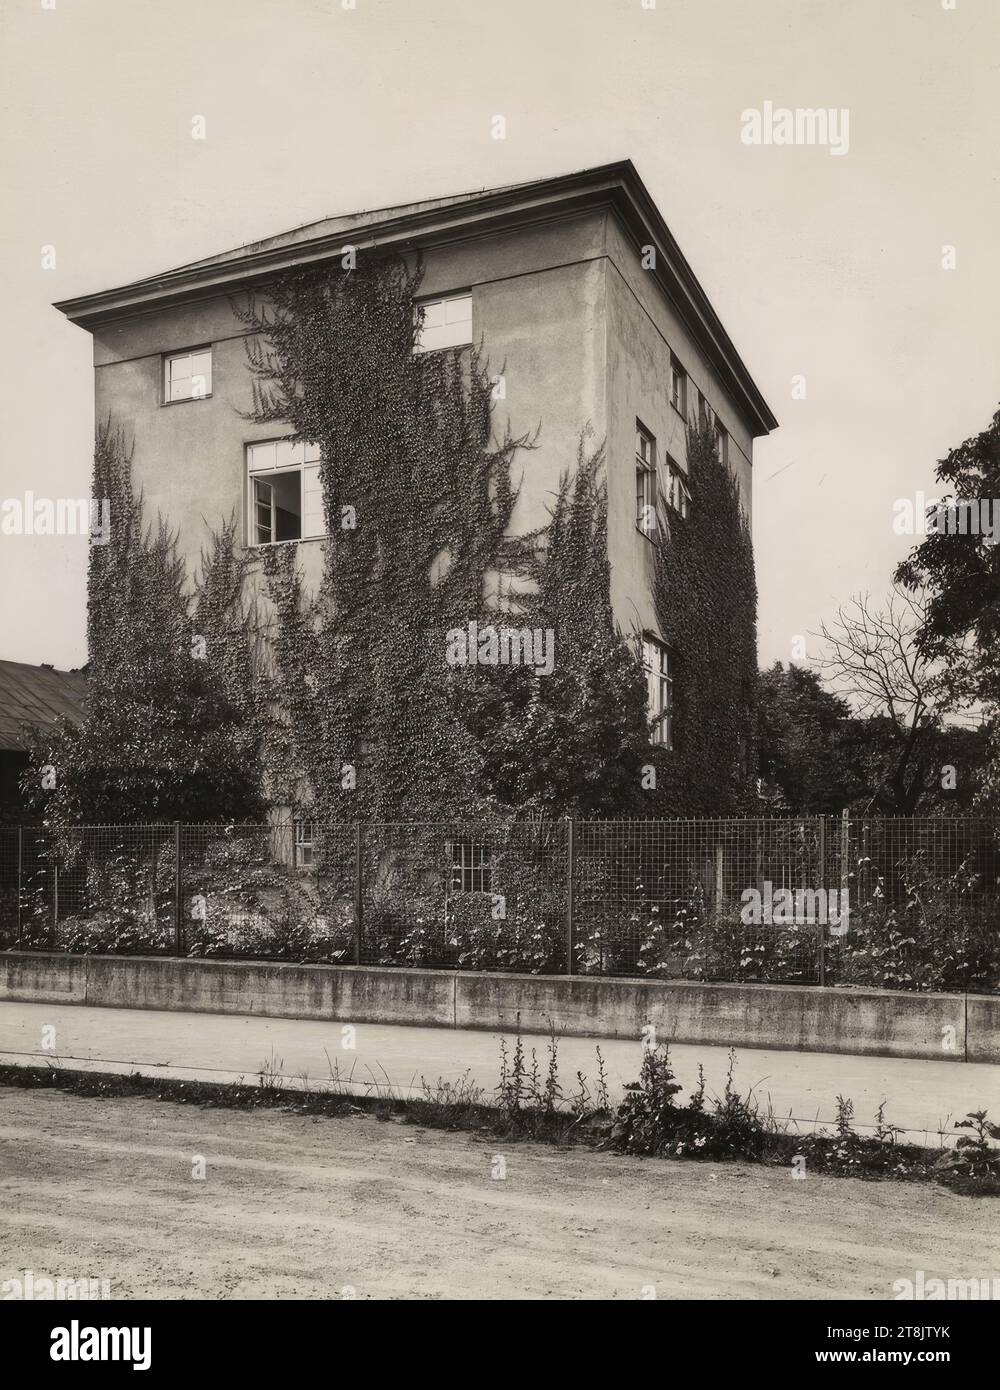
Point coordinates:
pixel 38 696
pixel 438 221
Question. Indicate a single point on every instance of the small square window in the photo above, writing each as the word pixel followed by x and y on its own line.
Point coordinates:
pixel 187 376
pixel 446 323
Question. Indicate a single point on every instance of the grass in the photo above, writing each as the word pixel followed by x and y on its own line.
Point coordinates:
pixel 529 1102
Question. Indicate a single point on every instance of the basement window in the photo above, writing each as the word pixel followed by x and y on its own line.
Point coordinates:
pixel 471 867
pixel 187 376
pixel 284 491
pixel 445 323
pixel 305 843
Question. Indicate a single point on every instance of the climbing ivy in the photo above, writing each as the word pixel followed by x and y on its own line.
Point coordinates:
pixel 419 504
pixel 706 601
pixel 173 723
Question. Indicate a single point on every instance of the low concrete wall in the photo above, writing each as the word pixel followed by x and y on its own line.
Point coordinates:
pixel 885 1023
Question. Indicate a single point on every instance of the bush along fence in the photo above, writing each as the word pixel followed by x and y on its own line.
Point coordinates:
pixel 910 904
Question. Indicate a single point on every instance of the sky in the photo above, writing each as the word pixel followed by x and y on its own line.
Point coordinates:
pixel 823 266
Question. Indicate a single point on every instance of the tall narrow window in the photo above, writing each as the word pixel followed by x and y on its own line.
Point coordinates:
pixel 284 491
pixel 721 443
pixel 645 481
pixel 187 376
pixel 658 662
pixel 445 322
pixel 678 493
pixel 678 387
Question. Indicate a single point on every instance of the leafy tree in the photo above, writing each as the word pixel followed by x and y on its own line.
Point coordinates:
pixel 958 564
pixel 804 744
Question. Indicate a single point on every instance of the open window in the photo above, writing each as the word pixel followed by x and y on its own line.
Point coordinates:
pixel 284 491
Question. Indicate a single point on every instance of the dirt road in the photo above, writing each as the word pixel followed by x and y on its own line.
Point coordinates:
pixel 301 1207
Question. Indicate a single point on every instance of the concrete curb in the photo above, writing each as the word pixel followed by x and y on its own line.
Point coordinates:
pixel 801 1018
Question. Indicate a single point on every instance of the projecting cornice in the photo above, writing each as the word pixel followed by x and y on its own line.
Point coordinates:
pixel 437 222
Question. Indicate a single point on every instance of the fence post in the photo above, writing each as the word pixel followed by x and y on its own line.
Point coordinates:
pixel 55 899
pixel 570 866
pixel 20 861
pixel 845 856
pixel 359 896
pixel 178 891
pixel 821 926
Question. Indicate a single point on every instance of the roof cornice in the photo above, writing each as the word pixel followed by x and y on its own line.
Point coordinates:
pixel 614 186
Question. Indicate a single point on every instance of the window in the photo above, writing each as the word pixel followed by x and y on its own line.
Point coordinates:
pixel 658 662
pixel 471 869
pixel 678 493
pixel 284 492
pixel 187 376
pixel 721 443
pixel 678 387
pixel 645 480
pixel 704 411
pixel 304 843
pixel 447 323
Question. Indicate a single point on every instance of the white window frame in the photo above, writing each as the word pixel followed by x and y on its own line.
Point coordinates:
pixel 659 664
pixel 305 843
pixel 187 355
pixel 645 485
pixel 721 441
pixel 471 866
pixel 678 387
pixel 678 492
pixel 267 459
pixel 455 327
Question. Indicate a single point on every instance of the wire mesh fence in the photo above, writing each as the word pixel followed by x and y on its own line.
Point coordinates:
pixel 902 904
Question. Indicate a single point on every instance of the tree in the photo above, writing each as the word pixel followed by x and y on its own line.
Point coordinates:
pixel 900 695
pixel 805 761
pixel 958 566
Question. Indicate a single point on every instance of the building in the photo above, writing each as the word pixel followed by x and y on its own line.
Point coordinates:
pixel 30 697
pixel 574 283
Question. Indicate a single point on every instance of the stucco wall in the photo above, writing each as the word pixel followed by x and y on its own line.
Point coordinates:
pixel 537 308
pixel 642 331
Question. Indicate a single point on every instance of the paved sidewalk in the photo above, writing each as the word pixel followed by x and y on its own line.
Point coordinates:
pixel 921 1095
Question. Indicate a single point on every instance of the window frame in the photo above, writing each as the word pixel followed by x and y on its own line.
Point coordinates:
pixel 721 439
pixel 463 871
pixel 449 298
pixel 645 466
pixel 659 661
pixel 253 477
pixel 677 483
pixel 678 375
pixel 165 360
pixel 304 845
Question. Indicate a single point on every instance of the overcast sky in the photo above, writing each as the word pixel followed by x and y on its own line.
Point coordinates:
pixel 822 266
